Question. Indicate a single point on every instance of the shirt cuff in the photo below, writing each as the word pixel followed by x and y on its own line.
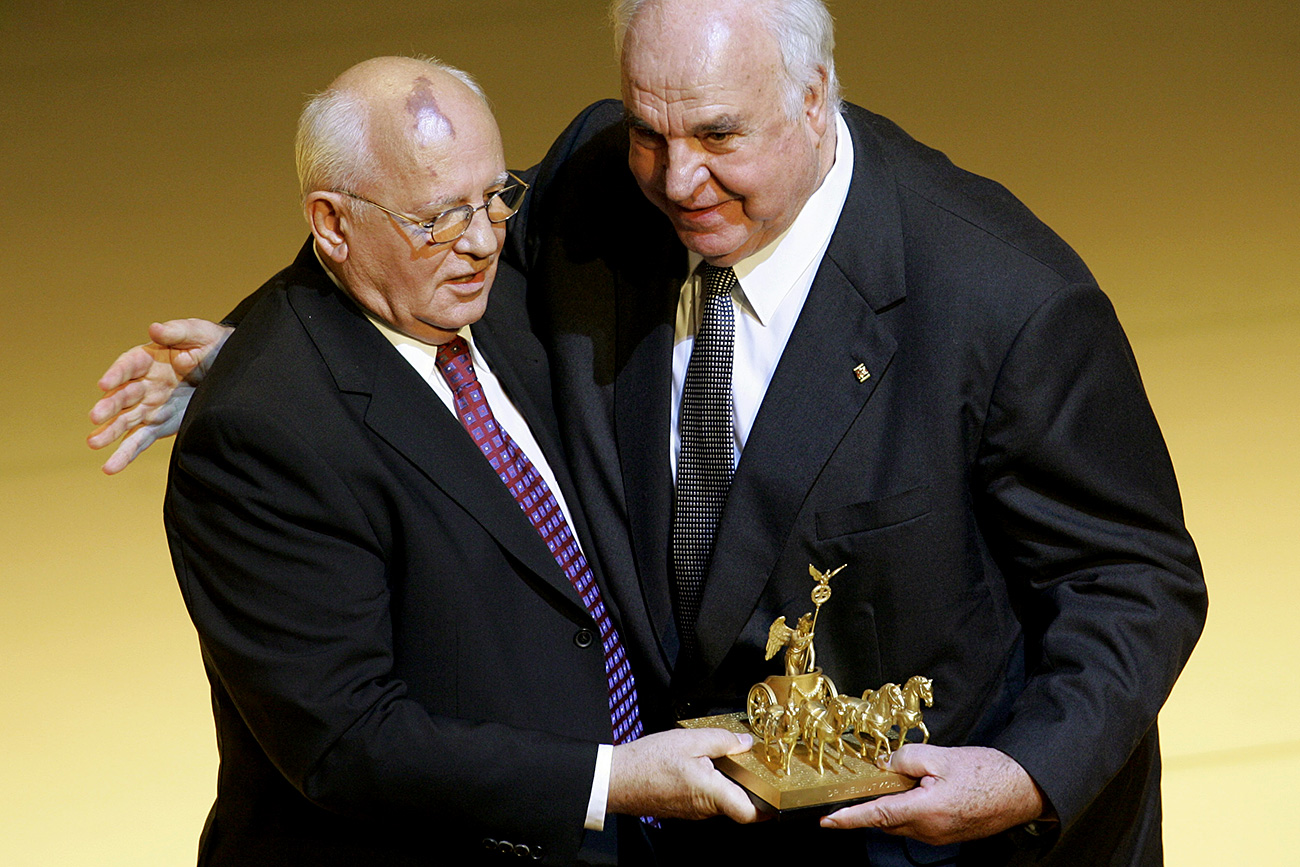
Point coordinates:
pixel 599 789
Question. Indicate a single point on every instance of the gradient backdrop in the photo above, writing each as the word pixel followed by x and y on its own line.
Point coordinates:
pixel 146 172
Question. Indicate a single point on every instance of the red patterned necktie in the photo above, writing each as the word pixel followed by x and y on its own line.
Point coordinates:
pixel 539 504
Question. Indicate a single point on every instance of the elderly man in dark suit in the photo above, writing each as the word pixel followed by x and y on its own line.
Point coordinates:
pixel 918 379
pixel 411 661
pixel 897 367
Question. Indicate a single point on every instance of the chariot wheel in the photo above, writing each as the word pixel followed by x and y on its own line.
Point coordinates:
pixel 761 697
pixel 827 688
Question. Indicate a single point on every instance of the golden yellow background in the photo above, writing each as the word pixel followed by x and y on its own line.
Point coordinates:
pixel 146 173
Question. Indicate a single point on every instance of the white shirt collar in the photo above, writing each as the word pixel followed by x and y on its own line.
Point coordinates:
pixel 422 356
pixel 767 275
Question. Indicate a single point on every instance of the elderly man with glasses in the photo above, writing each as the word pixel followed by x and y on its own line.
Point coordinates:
pixel 411 659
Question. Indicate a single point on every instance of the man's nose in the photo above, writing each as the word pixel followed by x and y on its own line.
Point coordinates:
pixel 480 239
pixel 685 169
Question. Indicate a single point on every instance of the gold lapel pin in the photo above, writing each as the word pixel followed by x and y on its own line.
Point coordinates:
pixel 861 373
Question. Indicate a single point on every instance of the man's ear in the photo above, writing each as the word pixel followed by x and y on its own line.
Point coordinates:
pixel 328 224
pixel 815 104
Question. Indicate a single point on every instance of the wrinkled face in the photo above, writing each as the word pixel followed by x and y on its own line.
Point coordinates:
pixel 443 151
pixel 712 145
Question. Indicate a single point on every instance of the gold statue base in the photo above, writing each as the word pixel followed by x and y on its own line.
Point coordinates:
pixel 803 787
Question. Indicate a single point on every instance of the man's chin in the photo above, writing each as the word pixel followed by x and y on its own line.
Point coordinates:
pixel 718 248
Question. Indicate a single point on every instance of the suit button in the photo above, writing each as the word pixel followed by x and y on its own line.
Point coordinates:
pixel 522 850
pixel 584 638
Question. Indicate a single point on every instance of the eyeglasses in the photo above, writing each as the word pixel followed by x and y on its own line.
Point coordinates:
pixel 448 226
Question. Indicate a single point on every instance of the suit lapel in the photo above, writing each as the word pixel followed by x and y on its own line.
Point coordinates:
pixel 405 413
pixel 812 400
pixel 646 303
pixel 815 395
pixel 519 362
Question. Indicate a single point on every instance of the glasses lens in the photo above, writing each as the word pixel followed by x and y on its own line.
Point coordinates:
pixel 450 225
pixel 502 205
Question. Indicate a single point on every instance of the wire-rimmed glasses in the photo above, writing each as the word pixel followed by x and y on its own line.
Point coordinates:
pixel 448 226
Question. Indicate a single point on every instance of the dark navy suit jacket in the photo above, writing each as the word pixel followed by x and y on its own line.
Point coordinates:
pixel 997 485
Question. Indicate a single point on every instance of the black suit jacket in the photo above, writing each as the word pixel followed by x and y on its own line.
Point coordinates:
pixel 997 485
pixel 400 672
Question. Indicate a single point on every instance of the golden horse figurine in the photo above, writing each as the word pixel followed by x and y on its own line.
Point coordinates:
pixel 771 724
pixel 786 734
pixel 819 728
pixel 876 716
pixel 848 709
pixel 917 689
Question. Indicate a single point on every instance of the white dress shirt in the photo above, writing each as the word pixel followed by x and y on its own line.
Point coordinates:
pixel 766 302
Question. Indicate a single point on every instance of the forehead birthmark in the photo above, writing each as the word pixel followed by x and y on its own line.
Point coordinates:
pixel 427 120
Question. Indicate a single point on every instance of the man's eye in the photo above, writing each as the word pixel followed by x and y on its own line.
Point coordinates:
pixel 646 137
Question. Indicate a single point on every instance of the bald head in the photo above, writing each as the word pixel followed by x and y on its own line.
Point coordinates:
pixel 803 31
pixel 377 110
pixel 390 148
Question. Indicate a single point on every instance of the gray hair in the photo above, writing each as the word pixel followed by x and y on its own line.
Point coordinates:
pixel 803 29
pixel 332 148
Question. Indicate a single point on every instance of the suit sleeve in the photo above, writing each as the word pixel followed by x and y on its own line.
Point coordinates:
pixel 285 579
pixel 1081 507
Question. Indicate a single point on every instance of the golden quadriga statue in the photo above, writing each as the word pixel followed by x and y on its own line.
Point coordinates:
pixel 813 746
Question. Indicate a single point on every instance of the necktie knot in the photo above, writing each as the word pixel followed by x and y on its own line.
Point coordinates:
pixel 717 281
pixel 455 365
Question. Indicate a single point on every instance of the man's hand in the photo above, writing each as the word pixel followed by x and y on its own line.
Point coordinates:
pixel 965 793
pixel 670 775
pixel 148 387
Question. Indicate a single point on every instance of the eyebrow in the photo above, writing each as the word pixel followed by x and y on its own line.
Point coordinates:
pixel 632 121
pixel 449 202
pixel 724 123
pixel 721 123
